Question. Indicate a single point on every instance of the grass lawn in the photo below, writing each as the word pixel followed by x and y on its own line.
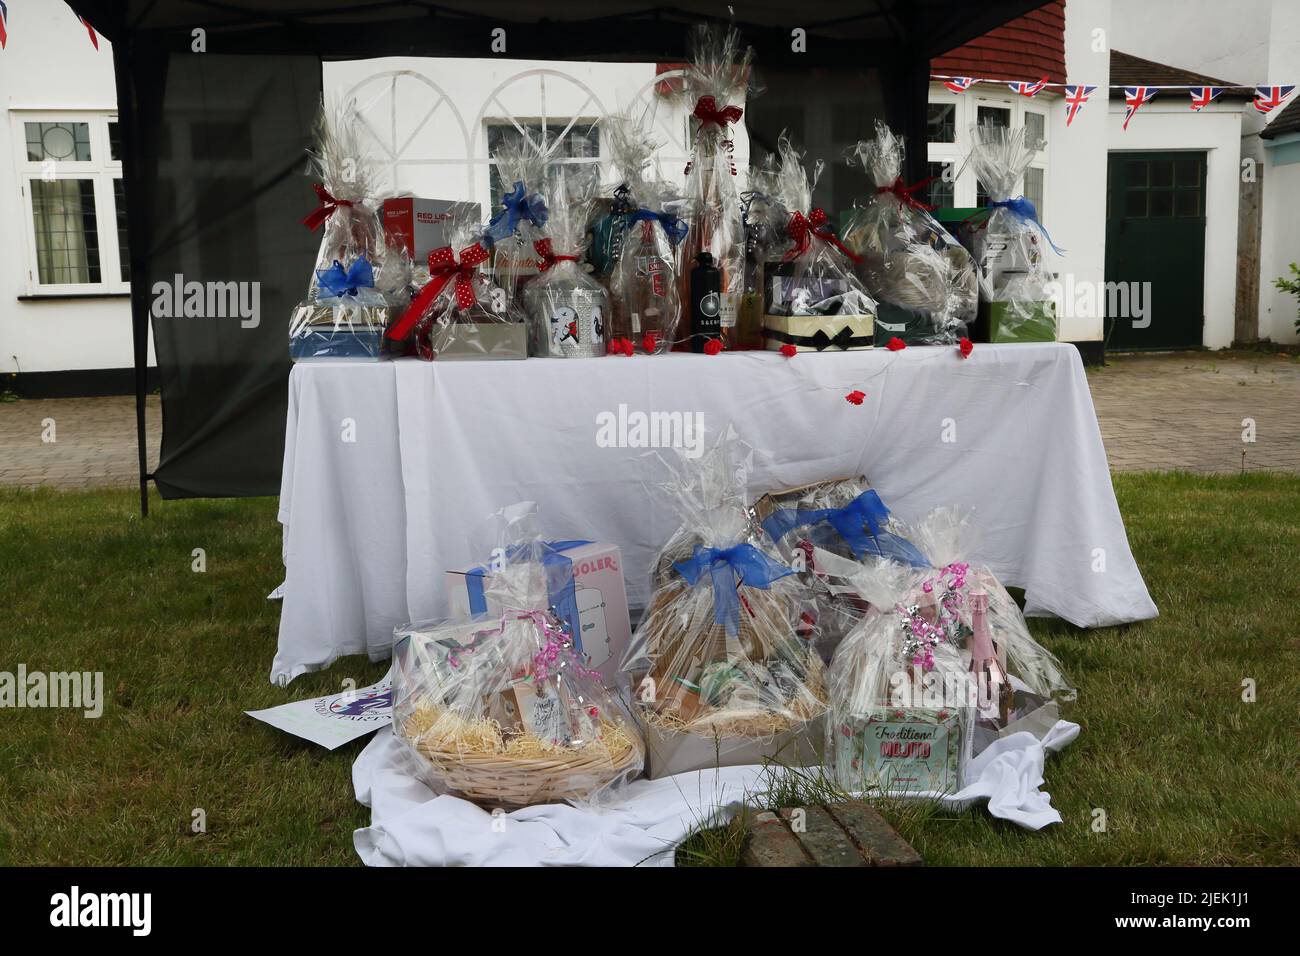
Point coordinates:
pixel 1185 770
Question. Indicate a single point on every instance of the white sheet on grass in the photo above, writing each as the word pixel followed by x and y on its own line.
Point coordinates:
pixel 412 826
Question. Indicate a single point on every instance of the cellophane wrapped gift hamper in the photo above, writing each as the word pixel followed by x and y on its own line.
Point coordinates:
pixel 922 278
pixel 825 531
pixel 812 298
pixel 567 308
pixel 458 312
pixel 519 216
pixel 640 238
pixel 713 93
pixel 352 286
pixel 1013 251
pixel 501 708
pixel 1030 685
pixel 720 675
pixel 940 665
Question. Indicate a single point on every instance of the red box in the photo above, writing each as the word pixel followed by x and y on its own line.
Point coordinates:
pixel 420 225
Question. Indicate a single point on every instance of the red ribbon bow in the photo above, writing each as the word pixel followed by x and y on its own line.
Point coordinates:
pixel 904 193
pixel 443 268
pixel 706 111
pixel 327 207
pixel 800 227
pixel 548 256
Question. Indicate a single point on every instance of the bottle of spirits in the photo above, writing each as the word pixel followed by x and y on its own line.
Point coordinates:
pixel 706 302
pixel 994 685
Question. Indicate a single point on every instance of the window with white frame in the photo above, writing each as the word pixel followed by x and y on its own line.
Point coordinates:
pixel 70 174
pixel 951 117
pixel 571 141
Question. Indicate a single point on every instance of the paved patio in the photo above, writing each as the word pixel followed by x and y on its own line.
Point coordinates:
pixel 1177 410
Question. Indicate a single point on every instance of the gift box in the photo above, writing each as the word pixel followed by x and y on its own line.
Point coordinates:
pixel 671 752
pixel 902 750
pixel 597 611
pixel 464 341
pixel 914 327
pixel 1025 320
pixel 341 332
pixel 420 226
pixel 819 333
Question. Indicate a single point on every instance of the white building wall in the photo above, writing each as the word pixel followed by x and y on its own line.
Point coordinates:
pixel 48 64
pixel 1076 184
pixel 1216 130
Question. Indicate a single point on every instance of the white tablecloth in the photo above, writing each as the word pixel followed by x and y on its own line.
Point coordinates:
pixel 371 523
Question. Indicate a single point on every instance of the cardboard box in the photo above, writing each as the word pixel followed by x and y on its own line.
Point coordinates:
pixel 461 341
pixel 604 626
pixel 903 750
pixel 316 334
pixel 669 752
pixel 817 333
pixel 420 225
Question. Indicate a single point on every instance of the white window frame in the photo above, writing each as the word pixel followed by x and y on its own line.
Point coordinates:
pixel 102 170
pixel 966 116
pixel 558 129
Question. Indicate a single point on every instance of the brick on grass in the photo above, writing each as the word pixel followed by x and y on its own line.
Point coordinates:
pixel 824 840
pixel 878 841
pixel 770 843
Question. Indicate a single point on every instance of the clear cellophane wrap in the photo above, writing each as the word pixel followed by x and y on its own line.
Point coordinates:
pixel 946 536
pixel 520 214
pixel 807 270
pixel 717 653
pixel 901 662
pixel 500 709
pixel 806 524
pixel 1014 256
pixel 346 320
pixel 908 259
pixel 343 166
pixel 567 309
pixel 646 239
pixel 714 91
pixel 457 311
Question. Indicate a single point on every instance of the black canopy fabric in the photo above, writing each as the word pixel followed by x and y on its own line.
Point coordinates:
pixel 213 155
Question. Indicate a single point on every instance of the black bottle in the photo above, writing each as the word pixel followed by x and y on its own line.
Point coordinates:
pixel 706 302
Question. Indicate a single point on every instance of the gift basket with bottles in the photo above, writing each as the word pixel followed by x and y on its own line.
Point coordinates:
pixel 500 708
pixel 713 93
pixel 922 278
pixel 1013 251
pixel 812 298
pixel 567 308
pixel 720 673
pixel 640 239
pixel 825 531
pixel 355 282
pixel 458 312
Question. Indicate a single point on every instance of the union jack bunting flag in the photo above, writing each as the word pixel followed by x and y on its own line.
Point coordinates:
pixel 1075 97
pixel 1135 97
pixel 4 16
pixel 91 30
pixel 959 84
pixel 1028 89
pixel 1203 96
pixel 1270 97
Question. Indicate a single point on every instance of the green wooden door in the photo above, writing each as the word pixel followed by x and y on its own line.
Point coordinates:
pixel 1155 233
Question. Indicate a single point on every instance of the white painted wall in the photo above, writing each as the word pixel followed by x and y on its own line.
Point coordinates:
pixel 50 64
pixel 1076 184
pixel 1279 246
pixel 1172 126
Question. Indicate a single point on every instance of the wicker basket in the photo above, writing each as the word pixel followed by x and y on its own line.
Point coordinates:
pixel 496 778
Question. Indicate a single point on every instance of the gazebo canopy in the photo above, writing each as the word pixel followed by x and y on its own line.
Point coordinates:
pixel 248 101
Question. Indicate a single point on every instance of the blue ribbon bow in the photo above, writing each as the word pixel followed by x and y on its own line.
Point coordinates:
pixel 858 523
pixel 728 569
pixel 674 228
pixel 1024 210
pixel 340 282
pixel 560 589
pixel 516 207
